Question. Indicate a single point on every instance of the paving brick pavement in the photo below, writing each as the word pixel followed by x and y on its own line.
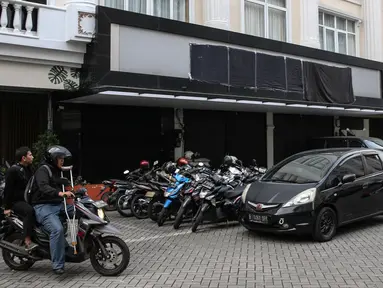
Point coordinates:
pixel 225 256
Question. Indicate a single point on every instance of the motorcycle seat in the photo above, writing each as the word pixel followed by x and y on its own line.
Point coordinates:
pixel 234 193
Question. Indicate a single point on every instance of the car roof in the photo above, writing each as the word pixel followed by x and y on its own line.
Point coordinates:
pixel 346 137
pixel 340 152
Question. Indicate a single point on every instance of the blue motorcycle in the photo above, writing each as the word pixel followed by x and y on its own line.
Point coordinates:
pixel 173 198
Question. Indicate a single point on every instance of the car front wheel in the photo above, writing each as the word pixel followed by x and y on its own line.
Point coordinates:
pixel 325 225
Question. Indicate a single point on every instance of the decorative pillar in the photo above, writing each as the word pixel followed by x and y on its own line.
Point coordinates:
pixel 217 14
pixel 270 139
pixel 310 23
pixel 373 29
pixel 366 127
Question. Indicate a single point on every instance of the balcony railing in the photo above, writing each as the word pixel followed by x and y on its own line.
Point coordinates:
pixel 19 17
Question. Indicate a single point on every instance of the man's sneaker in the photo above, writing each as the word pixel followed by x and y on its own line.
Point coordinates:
pixel 59 271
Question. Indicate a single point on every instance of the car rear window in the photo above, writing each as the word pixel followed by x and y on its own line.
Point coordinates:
pixel 374 164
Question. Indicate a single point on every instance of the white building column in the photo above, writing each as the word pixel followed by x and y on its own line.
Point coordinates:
pixel 270 139
pixel 217 14
pixel 310 23
pixel 179 124
pixel 373 29
pixel 366 127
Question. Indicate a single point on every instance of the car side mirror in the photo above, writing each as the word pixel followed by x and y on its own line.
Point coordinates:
pixel 348 178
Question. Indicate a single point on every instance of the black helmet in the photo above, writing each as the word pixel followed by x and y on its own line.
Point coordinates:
pixel 230 160
pixel 53 152
pixel 169 167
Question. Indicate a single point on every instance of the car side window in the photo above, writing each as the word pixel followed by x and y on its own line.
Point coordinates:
pixel 355 143
pixel 336 143
pixel 374 164
pixel 350 166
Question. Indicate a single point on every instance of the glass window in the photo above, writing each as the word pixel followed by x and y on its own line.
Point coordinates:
pixel 337 34
pixel 355 143
pixel 160 8
pixel 350 166
pixel 373 163
pixel 266 18
pixel 305 169
pixel 336 143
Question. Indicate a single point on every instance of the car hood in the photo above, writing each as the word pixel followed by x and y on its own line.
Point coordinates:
pixel 274 192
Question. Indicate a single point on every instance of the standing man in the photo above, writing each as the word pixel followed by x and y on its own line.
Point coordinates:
pixel 16 180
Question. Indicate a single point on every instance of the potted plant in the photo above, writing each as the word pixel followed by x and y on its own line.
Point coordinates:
pixel 48 138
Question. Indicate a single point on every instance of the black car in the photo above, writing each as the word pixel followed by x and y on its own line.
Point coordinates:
pixel 315 192
pixel 345 141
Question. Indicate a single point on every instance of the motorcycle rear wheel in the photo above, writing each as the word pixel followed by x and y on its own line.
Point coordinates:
pixel 25 264
pixel 136 203
pixel 105 198
pixel 95 256
pixel 154 209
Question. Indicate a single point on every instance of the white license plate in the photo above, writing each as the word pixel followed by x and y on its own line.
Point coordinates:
pixel 256 218
pixel 99 204
pixel 150 194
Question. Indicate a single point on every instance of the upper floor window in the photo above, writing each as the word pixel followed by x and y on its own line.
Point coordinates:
pixel 337 34
pixel 266 18
pixel 172 9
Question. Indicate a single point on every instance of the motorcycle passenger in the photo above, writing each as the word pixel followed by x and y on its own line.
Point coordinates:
pixel 16 180
pixel 47 200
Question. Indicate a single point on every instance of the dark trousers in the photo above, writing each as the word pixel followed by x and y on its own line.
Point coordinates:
pixel 26 211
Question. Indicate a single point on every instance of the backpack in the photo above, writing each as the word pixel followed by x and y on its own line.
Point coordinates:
pixel 31 182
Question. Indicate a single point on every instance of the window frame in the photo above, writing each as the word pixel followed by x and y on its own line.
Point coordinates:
pixel 150 9
pixel 336 31
pixel 265 4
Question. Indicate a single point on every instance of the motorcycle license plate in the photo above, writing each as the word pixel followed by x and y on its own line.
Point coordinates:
pixel 150 194
pixel 99 204
pixel 257 218
pixel 208 185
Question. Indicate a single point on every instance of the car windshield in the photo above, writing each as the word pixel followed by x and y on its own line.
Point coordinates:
pixel 374 143
pixel 304 169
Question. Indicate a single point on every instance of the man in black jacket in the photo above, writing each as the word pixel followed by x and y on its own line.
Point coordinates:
pixel 16 181
pixel 47 200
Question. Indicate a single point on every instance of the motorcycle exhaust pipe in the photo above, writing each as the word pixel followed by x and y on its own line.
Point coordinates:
pixel 16 249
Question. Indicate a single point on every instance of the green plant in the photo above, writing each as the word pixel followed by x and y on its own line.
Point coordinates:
pixel 48 138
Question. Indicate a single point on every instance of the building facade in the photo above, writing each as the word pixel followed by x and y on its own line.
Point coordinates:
pixel 122 100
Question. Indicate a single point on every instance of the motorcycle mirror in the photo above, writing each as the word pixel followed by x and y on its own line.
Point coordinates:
pixel 177 170
pixel 196 155
pixel 155 163
pixel 126 172
pixel 200 164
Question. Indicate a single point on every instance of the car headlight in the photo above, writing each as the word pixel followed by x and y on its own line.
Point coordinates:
pixel 244 193
pixel 101 213
pixel 203 194
pixel 304 197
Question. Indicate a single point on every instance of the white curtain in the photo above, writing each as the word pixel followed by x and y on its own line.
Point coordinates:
pixel 351 45
pixel 254 19
pixel 342 43
pixel 161 8
pixel 117 4
pixel 277 24
pixel 179 10
pixel 330 40
pixel 138 6
pixel 321 38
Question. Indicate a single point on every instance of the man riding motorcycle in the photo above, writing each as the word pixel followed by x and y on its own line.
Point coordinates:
pixel 47 200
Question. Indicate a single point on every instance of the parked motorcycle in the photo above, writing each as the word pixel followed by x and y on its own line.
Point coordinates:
pixel 87 237
pixel 219 202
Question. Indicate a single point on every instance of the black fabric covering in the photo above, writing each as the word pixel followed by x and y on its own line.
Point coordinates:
pixel 271 73
pixel 294 75
pixel 209 63
pixel 327 84
pixel 241 68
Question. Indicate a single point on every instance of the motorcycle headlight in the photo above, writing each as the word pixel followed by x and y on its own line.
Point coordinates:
pixel 203 194
pixel 244 193
pixel 304 197
pixel 166 194
pixel 101 213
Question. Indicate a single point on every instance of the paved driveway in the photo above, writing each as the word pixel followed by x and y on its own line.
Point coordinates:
pixel 225 256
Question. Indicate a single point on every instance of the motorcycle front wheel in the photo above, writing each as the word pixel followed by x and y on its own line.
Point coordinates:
pixel 124 208
pixel 139 206
pixel 154 208
pixel 100 263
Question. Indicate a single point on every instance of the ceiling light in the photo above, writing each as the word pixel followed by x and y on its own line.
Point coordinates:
pixel 119 93
pixel 275 103
pixel 317 106
pixel 191 98
pixel 223 100
pixel 250 102
pixel 297 105
pixel 164 96
pixel 335 108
